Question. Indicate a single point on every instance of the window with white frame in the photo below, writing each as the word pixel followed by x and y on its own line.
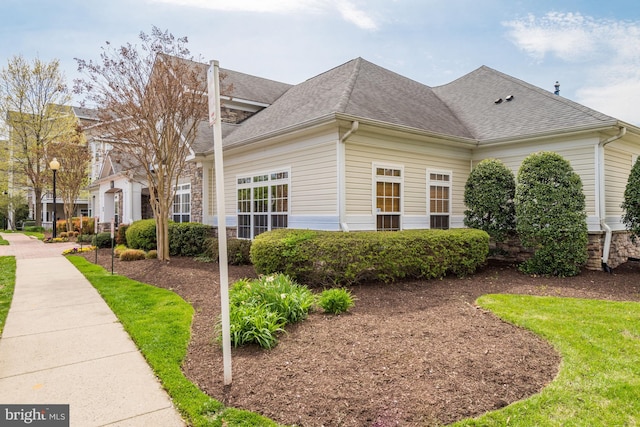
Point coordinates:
pixel 388 184
pixel 439 209
pixel 263 203
pixel 182 203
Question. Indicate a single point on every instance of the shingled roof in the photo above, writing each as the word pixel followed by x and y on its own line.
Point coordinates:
pixel 481 106
pixel 493 105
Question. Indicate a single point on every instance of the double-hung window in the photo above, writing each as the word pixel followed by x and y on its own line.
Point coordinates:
pixel 182 203
pixel 388 184
pixel 439 209
pixel 262 203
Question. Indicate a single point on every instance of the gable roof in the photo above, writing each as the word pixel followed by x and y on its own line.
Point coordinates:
pixel 472 98
pixel 358 88
pixel 465 108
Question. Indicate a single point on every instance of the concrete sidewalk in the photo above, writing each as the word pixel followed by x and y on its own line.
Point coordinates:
pixel 63 345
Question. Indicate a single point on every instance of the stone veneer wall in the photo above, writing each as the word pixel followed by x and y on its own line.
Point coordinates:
pixel 622 248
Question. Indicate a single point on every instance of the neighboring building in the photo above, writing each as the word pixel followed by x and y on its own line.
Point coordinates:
pixel 362 148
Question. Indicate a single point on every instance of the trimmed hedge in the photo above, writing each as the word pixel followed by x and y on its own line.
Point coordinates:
pixel 332 258
pixel 238 250
pixel 185 239
pixel 102 240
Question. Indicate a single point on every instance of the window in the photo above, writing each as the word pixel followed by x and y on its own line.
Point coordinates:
pixel 182 203
pixel 388 197
pixel 439 184
pixel 263 203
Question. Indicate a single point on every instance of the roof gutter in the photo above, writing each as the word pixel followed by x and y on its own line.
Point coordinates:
pixel 601 195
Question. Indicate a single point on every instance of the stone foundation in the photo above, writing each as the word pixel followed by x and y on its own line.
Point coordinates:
pixel 622 248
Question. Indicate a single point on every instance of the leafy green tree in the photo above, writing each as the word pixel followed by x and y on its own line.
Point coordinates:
pixel 550 215
pixel 631 203
pixel 33 101
pixel 488 195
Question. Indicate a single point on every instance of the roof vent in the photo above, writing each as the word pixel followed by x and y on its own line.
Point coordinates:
pixel 509 98
pixel 498 101
pixel 557 88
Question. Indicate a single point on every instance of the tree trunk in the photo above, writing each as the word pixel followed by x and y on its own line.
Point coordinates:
pixel 37 201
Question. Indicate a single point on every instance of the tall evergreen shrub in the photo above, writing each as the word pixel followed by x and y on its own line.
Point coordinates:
pixel 550 213
pixel 488 195
pixel 631 203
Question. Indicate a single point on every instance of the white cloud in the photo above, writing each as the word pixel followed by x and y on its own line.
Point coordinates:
pixel 607 50
pixel 349 11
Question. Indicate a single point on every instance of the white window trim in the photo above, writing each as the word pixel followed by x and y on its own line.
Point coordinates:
pixel 375 178
pixel 180 189
pixel 268 183
pixel 442 184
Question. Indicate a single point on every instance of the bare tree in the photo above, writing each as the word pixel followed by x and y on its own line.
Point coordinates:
pixel 151 99
pixel 74 156
pixel 33 100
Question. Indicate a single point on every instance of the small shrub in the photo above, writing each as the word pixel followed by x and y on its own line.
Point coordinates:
pixel 117 251
pixel 132 255
pixel 239 251
pixel 261 308
pixel 210 248
pixel 102 240
pixel 188 238
pixel 631 202
pixel 63 234
pixel 152 254
pixel 336 300
pixel 85 238
pixel 142 235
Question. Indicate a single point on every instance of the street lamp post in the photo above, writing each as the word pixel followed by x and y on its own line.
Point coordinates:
pixel 54 165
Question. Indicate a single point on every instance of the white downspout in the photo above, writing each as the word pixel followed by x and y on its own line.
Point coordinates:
pixel 342 200
pixel 602 199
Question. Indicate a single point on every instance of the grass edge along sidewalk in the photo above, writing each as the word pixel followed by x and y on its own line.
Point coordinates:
pixel 599 341
pixel 599 379
pixel 159 322
pixel 7 285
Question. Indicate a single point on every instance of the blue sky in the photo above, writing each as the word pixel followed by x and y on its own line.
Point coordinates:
pixel 591 47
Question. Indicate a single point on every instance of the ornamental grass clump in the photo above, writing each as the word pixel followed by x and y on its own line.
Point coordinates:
pixel 336 300
pixel 132 255
pixel 260 308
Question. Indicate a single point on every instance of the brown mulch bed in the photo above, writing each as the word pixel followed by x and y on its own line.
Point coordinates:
pixel 413 353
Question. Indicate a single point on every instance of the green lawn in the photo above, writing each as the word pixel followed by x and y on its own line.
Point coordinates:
pixel 599 379
pixel 598 383
pixel 3 242
pixel 159 322
pixel 7 284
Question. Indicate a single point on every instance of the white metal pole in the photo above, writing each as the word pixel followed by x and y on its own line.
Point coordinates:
pixel 214 118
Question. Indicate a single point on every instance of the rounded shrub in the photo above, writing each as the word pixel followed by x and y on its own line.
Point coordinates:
pixel 488 195
pixel 152 254
pixel 239 251
pixel 551 217
pixel 631 203
pixel 188 238
pixel 142 235
pixel 121 235
pixel 102 240
pixel 336 300
pixel 132 255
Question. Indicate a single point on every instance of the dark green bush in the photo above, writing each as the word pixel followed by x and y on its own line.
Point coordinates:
pixel 488 195
pixel 631 203
pixel 329 258
pixel 142 235
pixel 336 300
pixel 238 250
pixel 121 235
pixel 102 240
pixel 188 238
pixel 551 217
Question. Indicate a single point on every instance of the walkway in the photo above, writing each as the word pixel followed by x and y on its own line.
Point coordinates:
pixel 62 344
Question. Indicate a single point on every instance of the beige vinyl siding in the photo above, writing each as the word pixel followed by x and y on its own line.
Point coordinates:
pixel 617 166
pixel 313 175
pixel 415 159
pixel 580 154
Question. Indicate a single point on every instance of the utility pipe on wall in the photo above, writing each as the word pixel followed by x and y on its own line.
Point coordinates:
pixel 341 178
pixel 602 199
